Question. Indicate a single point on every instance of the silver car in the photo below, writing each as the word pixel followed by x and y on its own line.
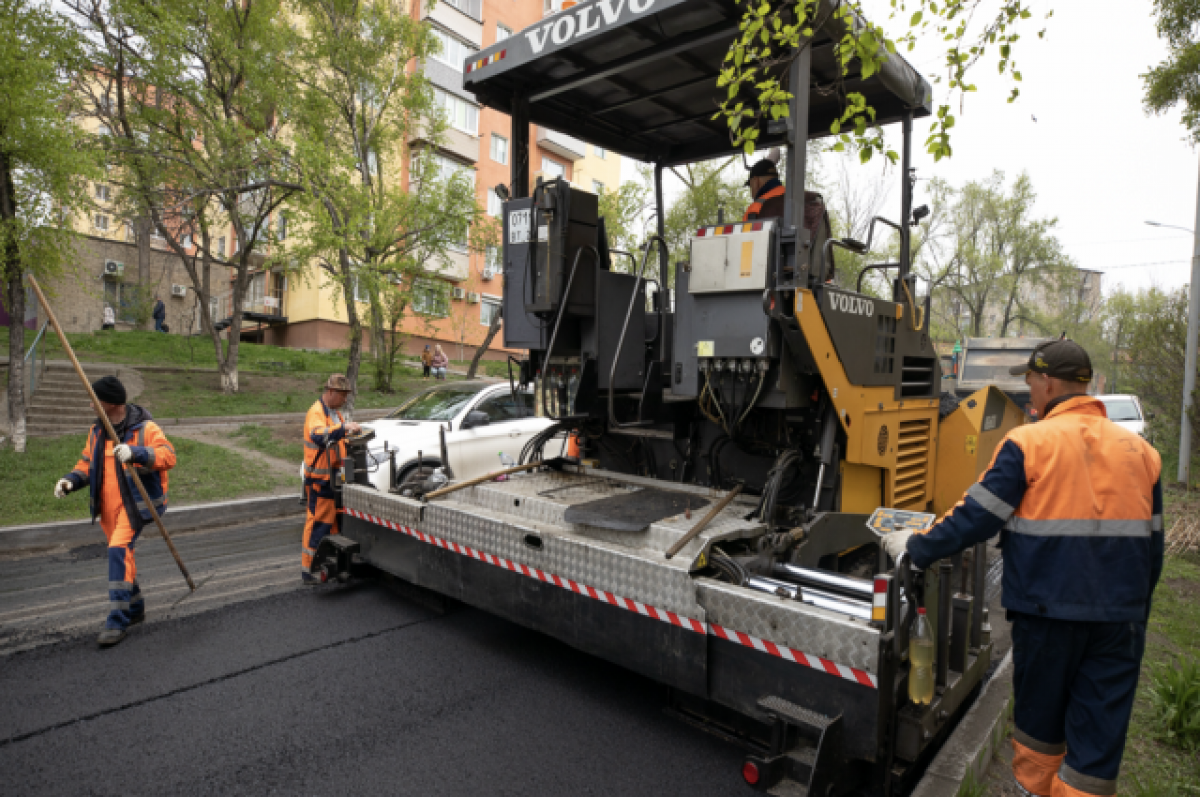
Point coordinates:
pixel 1126 410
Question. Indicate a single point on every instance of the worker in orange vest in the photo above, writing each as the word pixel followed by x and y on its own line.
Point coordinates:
pixel 115 498
pixel 766 191
pixel 1077 502
pixel 324 432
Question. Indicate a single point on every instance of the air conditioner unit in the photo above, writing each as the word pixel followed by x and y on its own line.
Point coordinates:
pixel 113 269
pixel 489 273
pixel 473 297
pixel 179 290
pixel 458 293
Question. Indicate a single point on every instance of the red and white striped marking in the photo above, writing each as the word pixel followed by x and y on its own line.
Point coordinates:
pixel 482 62
pixel 646 610
pixel 729 229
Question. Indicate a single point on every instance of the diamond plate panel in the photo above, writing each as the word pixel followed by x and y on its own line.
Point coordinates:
pixel 806 628
pixel 404 511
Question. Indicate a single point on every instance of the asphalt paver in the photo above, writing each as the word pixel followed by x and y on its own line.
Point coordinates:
pixel 342 689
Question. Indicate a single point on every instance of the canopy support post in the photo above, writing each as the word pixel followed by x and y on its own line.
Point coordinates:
pixel 519 154
pixel 906 198
pixel 661 225
pixel 797 148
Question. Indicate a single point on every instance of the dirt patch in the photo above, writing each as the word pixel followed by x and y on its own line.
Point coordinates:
pixel 1187 589
pixel 277 466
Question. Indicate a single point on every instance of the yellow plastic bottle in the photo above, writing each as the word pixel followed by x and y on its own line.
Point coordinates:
pixel 920 659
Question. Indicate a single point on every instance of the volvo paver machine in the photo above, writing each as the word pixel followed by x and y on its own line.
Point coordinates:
pixel 744 427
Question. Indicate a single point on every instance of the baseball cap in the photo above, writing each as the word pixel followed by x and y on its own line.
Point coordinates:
pixel 338 382
pixel 764 168
pixel 1062 359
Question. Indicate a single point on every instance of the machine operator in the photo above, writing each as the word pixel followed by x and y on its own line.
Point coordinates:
pixel 115 498
pixel 1077 501
pixel 324 432
pixel 769 194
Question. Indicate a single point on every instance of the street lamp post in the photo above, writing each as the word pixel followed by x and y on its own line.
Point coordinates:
pixel 1189 372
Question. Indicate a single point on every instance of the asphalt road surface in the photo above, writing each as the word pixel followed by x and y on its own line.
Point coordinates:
pixel 334 690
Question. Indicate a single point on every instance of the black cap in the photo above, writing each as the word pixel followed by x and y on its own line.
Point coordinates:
pixel 764 168
pixel 109 390
pixel 1062 359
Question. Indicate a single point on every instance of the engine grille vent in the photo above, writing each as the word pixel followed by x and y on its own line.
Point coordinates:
pixel 912 464
pixel 918 377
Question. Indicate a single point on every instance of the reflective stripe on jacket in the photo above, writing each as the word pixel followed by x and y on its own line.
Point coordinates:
pixel 756 207
pixel 323 446
pixel 1078 504
pixel 153 456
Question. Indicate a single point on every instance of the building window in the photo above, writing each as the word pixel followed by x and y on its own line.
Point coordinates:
pixel 156 233
pixel 597 187
pixel 502 32
pixel 130 233
pixel 100 222
pixel 221 246
pixel 492 260
pixel 495 206
pixel 601 153
pixel 281 227
pixel 453 51
pixel 500 149
pixel 430 297
pixel 361 294
pixel 472 8
pixel 121 299
pixel 488 309
pixel 552 168
pixel 461 114
pixel 186 241
pixel 103 192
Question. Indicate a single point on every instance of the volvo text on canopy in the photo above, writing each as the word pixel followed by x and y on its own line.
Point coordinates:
pixel 745 431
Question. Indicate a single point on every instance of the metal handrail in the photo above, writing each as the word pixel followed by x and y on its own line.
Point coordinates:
pixel 562 309
pixel 33 354
pixel 612 372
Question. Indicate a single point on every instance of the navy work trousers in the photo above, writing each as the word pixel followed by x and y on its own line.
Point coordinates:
pixel 1074 683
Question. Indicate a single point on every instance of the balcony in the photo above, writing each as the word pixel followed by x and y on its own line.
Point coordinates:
pixel 456 266
pixel 564 146
pixel 464 17
pixel 462 145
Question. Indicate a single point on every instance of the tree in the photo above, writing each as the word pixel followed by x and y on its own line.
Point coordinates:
pixel 773 32
pixel 193 96
pixel 360 106
pixel 1176 81
pixel 493 328
pixel 44 164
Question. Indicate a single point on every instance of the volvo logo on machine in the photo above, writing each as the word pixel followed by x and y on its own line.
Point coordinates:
pixel 855 305
pixel 587 19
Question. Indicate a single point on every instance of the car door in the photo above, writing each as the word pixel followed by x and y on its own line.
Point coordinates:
pixel 479 448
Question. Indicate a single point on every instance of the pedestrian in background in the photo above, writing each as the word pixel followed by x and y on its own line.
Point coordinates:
pixel 1077 501
pixel 426 362
pixel 160 314
pixel 439 362
pixel 115 498
pixel 325 429
pixel 109 318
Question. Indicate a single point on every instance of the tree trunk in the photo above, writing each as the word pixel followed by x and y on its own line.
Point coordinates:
pixel 379 349
pixel 14 301
pixel 354 361
pixel 142 228
pixel 483 347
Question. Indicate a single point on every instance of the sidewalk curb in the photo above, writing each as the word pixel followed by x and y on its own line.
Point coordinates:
pixel 970 748
pixel 184 518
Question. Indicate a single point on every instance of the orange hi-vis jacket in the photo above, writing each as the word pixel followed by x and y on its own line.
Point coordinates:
pixel 153 456
pixel 324 431
pixel 1078 504
pixel 755 209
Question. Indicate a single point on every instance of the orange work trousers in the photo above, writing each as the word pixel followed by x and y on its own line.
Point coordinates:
pixel 321 519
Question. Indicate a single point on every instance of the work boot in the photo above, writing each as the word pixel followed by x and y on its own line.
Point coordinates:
pixel 111 636
pixel 309 580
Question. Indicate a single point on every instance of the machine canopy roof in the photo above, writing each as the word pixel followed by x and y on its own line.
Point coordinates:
pixel 639 77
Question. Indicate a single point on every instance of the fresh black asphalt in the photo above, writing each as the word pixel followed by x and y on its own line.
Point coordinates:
pixel 342 690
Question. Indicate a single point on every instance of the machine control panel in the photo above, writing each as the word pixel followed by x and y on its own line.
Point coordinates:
pixel 731 257
pixel 885 520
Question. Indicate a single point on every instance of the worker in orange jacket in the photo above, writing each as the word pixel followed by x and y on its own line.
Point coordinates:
pixel 107 470
pixel 324 432
pixel 1077 502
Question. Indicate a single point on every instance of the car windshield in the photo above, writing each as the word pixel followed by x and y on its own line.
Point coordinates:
pixel 439 404
pixel 1121 409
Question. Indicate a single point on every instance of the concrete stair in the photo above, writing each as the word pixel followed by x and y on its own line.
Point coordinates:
pixel 61 405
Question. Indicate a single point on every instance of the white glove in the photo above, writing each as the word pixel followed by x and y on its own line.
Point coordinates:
pixel 896 543
pixel 123 452
pixel 63 487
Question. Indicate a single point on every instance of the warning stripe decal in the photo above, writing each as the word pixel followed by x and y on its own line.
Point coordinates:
pixel 729 635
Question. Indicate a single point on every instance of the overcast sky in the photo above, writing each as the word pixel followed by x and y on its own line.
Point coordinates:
pixel 1097 161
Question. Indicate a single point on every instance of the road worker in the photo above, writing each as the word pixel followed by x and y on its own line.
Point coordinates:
pixel 324 449
pixel 769 196
pixel 115 498
pixel 1077 502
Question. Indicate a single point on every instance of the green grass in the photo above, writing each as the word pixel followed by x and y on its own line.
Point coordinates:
pixel 1153 765
pixel 279 443
pixel 203 473
pixel 191 395
pixel 497 368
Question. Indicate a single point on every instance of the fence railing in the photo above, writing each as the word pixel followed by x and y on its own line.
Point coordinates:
pixel 270 303
pixel 33 370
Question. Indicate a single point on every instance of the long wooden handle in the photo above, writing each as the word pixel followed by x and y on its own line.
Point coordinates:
pixel 699 527
pixel 108 427
pixel 481 479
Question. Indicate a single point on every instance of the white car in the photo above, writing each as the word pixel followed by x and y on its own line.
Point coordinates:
pixel 1125 410
pixel 482 422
